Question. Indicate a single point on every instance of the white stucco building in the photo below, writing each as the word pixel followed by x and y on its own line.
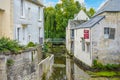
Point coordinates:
pixel 78 19
pixel 99 38
pixel 25 19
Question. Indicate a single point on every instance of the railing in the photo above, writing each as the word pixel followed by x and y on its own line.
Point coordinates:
pixel 45 67
pixel 56 40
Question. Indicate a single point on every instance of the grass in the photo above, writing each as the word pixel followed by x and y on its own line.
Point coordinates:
pixel 105 74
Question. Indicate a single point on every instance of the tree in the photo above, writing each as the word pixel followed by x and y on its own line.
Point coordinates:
pixel 49 21
pixel 91 12
pixel 56 18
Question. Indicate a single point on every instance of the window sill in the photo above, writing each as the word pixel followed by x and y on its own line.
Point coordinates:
pixel 39 20
pixel 22 17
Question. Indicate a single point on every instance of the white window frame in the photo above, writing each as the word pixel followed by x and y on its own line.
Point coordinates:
pixel 18 37
pixel 22 8
pixel 39 14
pixel 106 32
pixel 29 13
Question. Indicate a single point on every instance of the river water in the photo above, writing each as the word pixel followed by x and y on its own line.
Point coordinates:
pixel 65 68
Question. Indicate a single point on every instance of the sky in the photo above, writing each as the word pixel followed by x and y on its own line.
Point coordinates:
pixel 89 3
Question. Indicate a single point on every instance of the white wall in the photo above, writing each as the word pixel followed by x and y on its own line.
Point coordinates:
pixel 30 20
pixel 81 16
pixel 84 56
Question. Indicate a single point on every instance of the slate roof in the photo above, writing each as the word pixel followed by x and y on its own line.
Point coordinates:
pixel 109 6
pixel 90 23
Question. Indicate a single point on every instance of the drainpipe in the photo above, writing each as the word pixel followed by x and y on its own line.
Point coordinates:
pixel 91 45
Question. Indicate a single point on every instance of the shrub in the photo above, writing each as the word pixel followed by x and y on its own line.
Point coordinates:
pixel 10 62
pixel 100 66
pixel 7 45
pixel 31 44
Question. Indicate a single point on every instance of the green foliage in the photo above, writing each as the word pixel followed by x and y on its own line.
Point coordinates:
pixel 56 18
pixel 7 45
pixel 10 62
pixel 105 73
pixel 31 44
pixel 91 12
pixel 99 66
pixel 44 76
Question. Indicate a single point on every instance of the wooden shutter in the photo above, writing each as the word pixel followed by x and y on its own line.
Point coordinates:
pixel 112 33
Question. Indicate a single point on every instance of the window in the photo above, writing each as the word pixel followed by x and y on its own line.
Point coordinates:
pixel 106 32
pixel 18 34
pixel 39 13
pixel 112 33
pixel 29 16
pixel 83 44
pixel 39 31
pixel 24 27
pixel 72 33
pixel 109 33
pixel 22 8
pixel 88 47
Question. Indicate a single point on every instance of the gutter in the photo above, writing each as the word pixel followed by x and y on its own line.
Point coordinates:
pixel 37 2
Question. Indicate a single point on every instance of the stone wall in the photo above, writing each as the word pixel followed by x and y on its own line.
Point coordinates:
pixel 104 49
pixel 3 74
pixel 25 65
pixel 45 68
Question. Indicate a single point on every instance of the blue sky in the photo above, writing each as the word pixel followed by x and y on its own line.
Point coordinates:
pixel 89 3
pixel 93 3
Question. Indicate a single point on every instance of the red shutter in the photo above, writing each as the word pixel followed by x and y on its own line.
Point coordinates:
pixel 86 34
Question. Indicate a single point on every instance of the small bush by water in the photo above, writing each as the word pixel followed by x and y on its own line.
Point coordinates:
pixel 100 66
pixel 31 44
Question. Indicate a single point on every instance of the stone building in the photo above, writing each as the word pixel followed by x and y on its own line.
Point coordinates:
pixel 99 37
pixel 78 19
pixel 22 20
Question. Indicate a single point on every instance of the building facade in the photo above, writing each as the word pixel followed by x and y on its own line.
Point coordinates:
pixel 22 20
pixel 99 38
pixel 78 19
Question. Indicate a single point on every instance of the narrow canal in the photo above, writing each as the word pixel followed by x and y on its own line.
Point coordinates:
pixel 66 69
pixel 59 68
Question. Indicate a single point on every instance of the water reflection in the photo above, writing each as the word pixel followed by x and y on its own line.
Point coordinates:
pixel 65 68
pixel 73 71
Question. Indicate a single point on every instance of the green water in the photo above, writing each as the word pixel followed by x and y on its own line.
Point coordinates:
pixel 59 68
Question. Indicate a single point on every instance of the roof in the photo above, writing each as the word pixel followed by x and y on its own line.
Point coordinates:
pixel 109 6
pixel 90 23
pixel 38 2
pixel 81 16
